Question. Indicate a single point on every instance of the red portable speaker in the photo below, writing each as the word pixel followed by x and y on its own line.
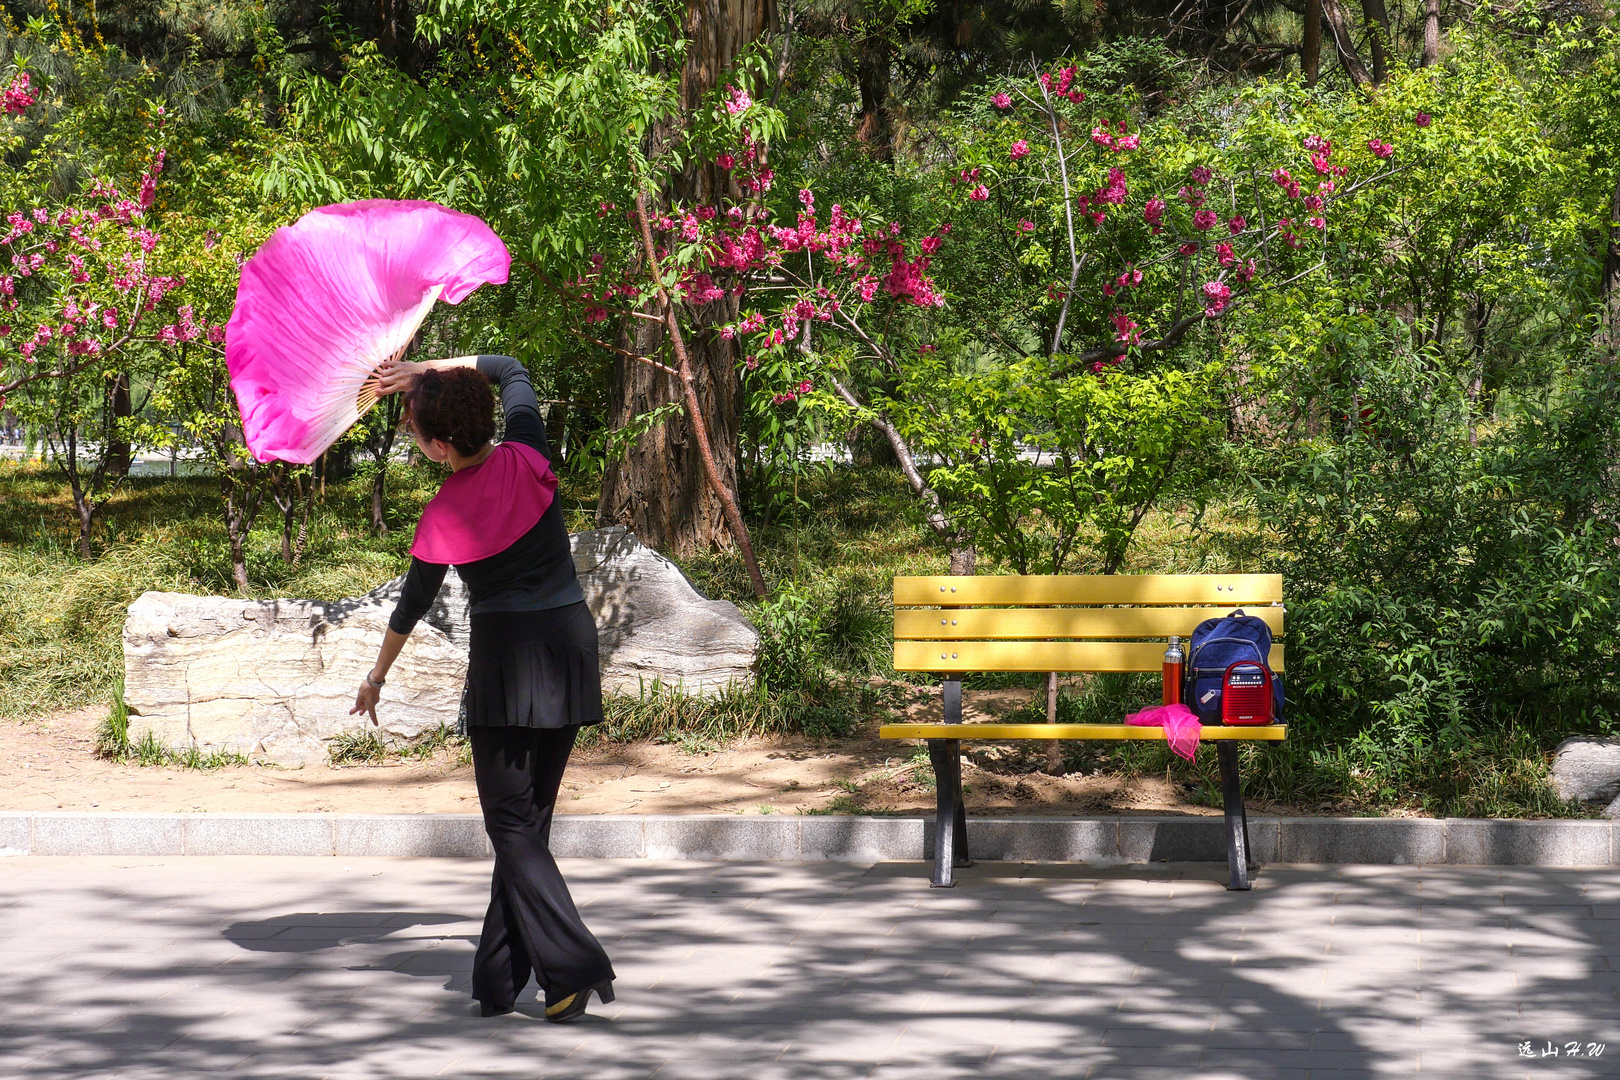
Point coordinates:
pixel 1246 694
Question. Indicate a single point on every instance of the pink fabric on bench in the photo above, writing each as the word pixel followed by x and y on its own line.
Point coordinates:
pixel 1181 726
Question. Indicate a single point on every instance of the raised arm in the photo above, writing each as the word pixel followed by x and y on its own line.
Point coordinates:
pixel 518 402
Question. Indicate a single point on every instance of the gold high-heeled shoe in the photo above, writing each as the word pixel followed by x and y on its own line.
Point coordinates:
pixel 574 1004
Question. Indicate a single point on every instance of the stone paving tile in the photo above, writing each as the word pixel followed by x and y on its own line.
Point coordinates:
pixel 358 968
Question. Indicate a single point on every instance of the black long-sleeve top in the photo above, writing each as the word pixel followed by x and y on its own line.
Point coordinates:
pixel 536 572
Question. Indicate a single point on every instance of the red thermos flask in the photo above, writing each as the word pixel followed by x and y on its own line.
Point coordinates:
pixel 1174 661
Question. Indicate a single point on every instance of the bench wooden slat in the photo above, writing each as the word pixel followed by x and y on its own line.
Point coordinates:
pixel 1228 590
pixel 1258 733
pixel 920 624
pixel 964 656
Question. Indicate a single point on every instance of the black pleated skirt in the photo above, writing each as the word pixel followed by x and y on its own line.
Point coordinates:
pixel 533 669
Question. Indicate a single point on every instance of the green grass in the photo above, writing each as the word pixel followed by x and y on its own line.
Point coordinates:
pixel 60 623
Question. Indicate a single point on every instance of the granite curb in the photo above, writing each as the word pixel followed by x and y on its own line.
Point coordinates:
pixel 813 838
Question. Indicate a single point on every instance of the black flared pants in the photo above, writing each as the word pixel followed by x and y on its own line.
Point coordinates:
pixel 532 925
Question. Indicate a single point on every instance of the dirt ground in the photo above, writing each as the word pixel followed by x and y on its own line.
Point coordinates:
pixel 50 764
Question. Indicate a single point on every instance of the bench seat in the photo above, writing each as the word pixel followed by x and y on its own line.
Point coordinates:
pixel 993 732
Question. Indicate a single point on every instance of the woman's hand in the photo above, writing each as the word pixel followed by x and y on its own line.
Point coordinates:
pixel 396 375
pixel 366 701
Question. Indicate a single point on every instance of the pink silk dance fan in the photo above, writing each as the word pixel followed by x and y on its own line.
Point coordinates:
pixel 328 299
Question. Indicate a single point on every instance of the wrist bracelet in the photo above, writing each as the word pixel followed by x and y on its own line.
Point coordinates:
pixel 375 684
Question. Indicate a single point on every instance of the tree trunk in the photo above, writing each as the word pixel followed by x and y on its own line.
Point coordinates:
pixel 963 560
pixel 379 488
pixel 86 512
pixel 658 489
pixel 1431 33
pixel 238 555
pixel 303 526
pixel 876 129
pixel 118 408
pixel 1339 23
pixel 1611 278
pixel 1054 750
pixel 1310 50
pixel 1377 16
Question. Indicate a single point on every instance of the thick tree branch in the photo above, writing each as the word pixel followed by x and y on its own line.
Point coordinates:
pixel 694 410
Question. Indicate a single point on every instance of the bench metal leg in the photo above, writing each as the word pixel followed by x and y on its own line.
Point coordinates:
pixel 1237 819
pixel 950 818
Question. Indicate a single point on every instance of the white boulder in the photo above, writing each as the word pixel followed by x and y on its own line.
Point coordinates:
pixel 275 679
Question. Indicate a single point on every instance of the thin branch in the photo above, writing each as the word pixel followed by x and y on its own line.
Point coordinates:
pixel 622 352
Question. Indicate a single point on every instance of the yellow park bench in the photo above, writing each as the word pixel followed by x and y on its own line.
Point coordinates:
pixel 953 625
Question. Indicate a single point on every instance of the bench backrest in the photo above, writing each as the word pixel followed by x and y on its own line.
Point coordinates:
pixel 1067 623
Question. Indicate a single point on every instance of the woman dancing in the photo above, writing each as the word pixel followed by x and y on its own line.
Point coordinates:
pixel 532 679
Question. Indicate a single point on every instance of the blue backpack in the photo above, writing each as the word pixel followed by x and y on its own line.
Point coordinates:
pixel 1217 643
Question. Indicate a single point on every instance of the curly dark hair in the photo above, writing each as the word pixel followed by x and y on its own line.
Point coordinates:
pixel 454 406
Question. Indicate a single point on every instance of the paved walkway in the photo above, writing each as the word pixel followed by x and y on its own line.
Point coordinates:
pixel 322 967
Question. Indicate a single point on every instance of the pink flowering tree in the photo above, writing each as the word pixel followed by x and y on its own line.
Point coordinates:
pixel 1023 344
pixel 89 307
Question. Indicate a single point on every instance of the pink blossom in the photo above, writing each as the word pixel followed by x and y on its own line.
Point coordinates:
pixel 1201 175
pixel 751 363
pixel 1127 142
pixel 1126 328
pixel 17 96
pixel 806 386
pixel 1422 119
pixel 783 399
pixel 1116 191
pixel 737 101
pixel 216 335
pixel 1019 149
pixel 1223 254
pixel 1217 293
pixel 945 229
pixel 1292 189
pixel 109 318
pixel 1026 226
pixel 979 194
pixel 807 198
pixel 1102 137
pixel 27 349
pixel 1187 250
pixel 1316 222
pixel 1379 148
pixel 1153 214
pixel 1001 101
pixel 930 244
pixel 1247 270
pixel 1313 202
pixel 1205 219
pixel 725 161
pixel 1317 144
pixel 42 215
pixel 1236 225
pixel 1192 196
pixel 1280 177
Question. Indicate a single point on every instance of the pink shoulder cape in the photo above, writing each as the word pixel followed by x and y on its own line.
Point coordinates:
pixel 481 511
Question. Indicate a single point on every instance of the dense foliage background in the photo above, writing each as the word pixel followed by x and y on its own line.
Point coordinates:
pixel 1027 288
